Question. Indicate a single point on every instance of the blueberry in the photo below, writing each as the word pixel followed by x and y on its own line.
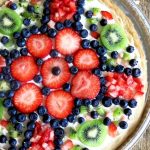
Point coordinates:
pixel 87 102
pixel 69 58
pixel 100 96
pixel 10 94
pixel 12 148
pixel 136 72
pixel 77 26
pixel 4 39
pixel 67 23
pixel 44 29
pixel 66 87
pixel 107 121
pixel 34 29
pixel 46 118
pixel 13 142
pixel 28 134
pixel 74 70
pixel 41 110
pixel 18 127
pixel 2 94
pixel 123 103
pixel 6 70
pixel 103 89
pixel 12 111
pixel 45 19
pixel 123 125
pixel 54 53
pixel 16 35
pixel 39 61
pixel 30 8
pixel 4 53
pixel 1 76
pixel 97 72
pixel 133 62
pixel 25 33
pixel 116 101
pixel 94 44
pixel 22 148
pixel 59 132
pixel 93 27
pixel 8 77
pixel 94 114
pixel 58 141
pixel 46 4
pixel 77 102
pixel 77 17
pixel 46 11
pixel 26 143
pixel 103 22
pixel 45 91
pixel 101 50
pixel 128 71
pixel 31 125
pixel 75 111
pixel 13 6
pixel 64 123
pixel 21 117
pixel 84 33
pixel 130 49
pixel 85 149
pixel 7 103
pixel 26 22
pixel 52 33
pixel 14 54
pixel 24 51
pixel 80 2
pixel 89 14
pixel 33 116
pixel 110 68
pixel 54 123
pixel 81 120
pixel 38 79
pixel 21 42
pixel 107 102
pixel 71 118
pixel 114 54
pixel 95 103
pixel 13 119
pixel 56 71
pixel 128 112
pixel 8 61
pixel 103 81
pixel 119 68
pixel 14 85
pixel 80 9
pixel 3 139
pixel 85 43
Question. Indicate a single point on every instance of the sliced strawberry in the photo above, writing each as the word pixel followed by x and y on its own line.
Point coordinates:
pixel 68 145
pixel 82 83
pixel 67 41
pixel 4 123
pixel 95 35
pixel 36 147
pixel 59 104
pixel 49 78
pixel 27 98
pixel 39 45
pixel 45 136
pixel 24 68
pixel 51 145
pixel 107 15
pixel 112 130
pixel 86 59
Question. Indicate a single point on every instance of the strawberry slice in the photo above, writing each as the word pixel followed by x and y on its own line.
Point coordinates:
pixel 67 145
pixel 107 15
pixel 95 35
pixel 2 62
pixel 59 104
pixel 4 123
pixel 39 45
pixel 52 80
pixel 24 68
pixel 112 130
pixel 36 147
pixel 67 41
pixel 82 83
pixel 51 145
pixel 86 59
pixel 27 98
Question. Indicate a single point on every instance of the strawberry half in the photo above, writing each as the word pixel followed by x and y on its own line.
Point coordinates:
pixel 52 80
pixel 39 45
pixel 24 68
pixel 67 41
pixel 28 98
pixel 85 85
pixel 67 145
pixel 86 59
pixel 59 104
pixel 107 15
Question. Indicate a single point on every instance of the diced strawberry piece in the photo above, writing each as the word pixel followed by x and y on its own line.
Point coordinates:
pixel 128 94
pixel 67 145
pixel 95 35
pixel 130 80
pixel 45 136
pixel 82 83
pixel 34 2
pixel 2 62
pixel 37 129
pixel 24 68
pixel 107 15
pixel 39 45
pixel 27 98
pixel 67 41
pixel 59 104
pixel 55 81
pixel 50 145
pixel 36 147
pixel 86 59
pixel 112 130
pixel 4 123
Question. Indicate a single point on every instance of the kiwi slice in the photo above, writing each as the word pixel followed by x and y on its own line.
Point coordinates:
pixel 72 133
pixel 77 147
pixel 10 21
pixel 92 133
pixel 114 37
pixel 4 86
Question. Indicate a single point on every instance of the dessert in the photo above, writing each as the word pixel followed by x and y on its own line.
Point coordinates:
pixel 73 75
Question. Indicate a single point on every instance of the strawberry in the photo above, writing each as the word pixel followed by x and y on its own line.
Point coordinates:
pixel 52 80
pixel 67 145
pixel 82 83
pixel 107 15
pixel 50 145
pixel 95 35
pixel 24 68
pixel 35 2
pixel 67 41
pixel 39 45
pixel 36 147
pixel 59 104
pixel 112 130
pixel 86 59
pixel 2 62
pixel 27 98
pixel 4 123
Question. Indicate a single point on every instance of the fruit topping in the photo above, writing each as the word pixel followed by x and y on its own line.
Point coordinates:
pixel 68 145
pixel 2 62
pixel 86 59
pixel 55 72
pixel 59 104
pixel 107 15
pixel 39 45
pixel 67 41
pixel 95 35
pixel 27 98
pixel 24 68
pixel 112 130
pixel 82 83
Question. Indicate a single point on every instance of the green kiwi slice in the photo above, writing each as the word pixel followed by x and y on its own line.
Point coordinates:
pixel 10 21
pixel 92 133
pixel 113 37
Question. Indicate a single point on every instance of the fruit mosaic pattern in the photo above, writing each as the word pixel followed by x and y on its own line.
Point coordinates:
pixel 62 80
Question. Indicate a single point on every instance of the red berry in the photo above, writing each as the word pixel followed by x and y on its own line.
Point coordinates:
pixel 95 35
pixel 67 41
pixel 2 63
pixel 55 81
pixel 85 85
pixel 28 98
pixel 107 15
pixel 59 104
pixel 39 45
pixel 4 123
pixel 24 68
pixel 86 59
pixel 36 147
pixel 112 130
pixel 67 145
